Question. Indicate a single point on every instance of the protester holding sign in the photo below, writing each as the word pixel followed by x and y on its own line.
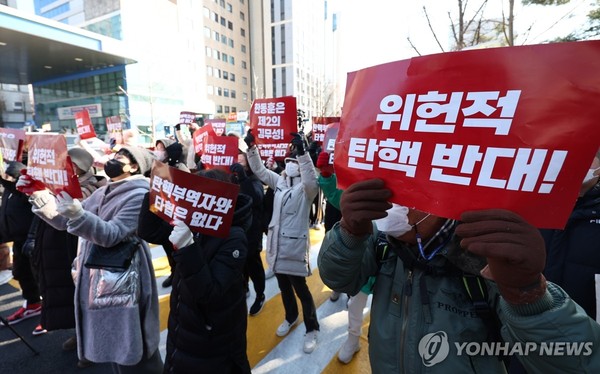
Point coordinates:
pixel 208 312
pixel 113 306
pixel 288 240
pixel 53 252
pixel 419 299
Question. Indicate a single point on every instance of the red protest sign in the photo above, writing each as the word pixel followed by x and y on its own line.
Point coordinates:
pixel 199 135
pixel 85 129
pixel 331 133
pixel 115 129
pixel 476 129
pixel 217 124
pixel 185 118
pixel 11 144
pixel 205 205
pixel 219 152
pixel 49 163
pixel 320 125
pixel 272 121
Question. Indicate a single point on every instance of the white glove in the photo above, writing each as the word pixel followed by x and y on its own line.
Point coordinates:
pixel 68 207
pixel 23 181
pixel 181 236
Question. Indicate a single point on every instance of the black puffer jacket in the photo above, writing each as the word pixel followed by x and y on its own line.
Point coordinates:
pixel 15 214
pixel 208 317
pixel 573 254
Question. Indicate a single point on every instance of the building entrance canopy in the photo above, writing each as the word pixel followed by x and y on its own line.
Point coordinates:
pixel 34 49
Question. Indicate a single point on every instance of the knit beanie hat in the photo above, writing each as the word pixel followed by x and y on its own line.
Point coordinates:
pixel 141 156
pixel 13 168
pixel 81 158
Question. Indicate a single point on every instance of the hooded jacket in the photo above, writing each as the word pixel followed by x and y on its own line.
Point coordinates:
pixel 288 240
pixel 413 310
pixel 110 216
pixel 208 315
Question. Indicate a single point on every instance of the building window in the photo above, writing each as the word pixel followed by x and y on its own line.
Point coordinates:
pixel 216 54
pixel 216 36
pixel 230 25
pixel 245 96
pixel 214 16
pixel 243 32
pixel 232 77
pixel 226 92
pixel 243 48
pixel 243 64
pixel 206 12
pixel 207 32
pixel 233 109
pixel 225 75
pixel 242 16
pixel 231 43
pixel 208 51
pixel 241 1
pixel 223 39
pixel 245 81
pixel 226 109
pixel 222 3
pixel 224 57
pixel 231 60
pixel 217 73
pixel 209 71
pixel 233 94
pixel 219 108
pixel 223 21
pixel 18 106
pixel 219 91
pixel 229 8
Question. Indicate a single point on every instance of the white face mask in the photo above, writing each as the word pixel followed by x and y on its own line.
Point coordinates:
pixel 160 155
pixel 396 223
pixel 590 175
pixel 292 169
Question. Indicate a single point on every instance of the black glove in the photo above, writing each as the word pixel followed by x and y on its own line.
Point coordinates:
pixel 249 139
pixel 178 127
pixel 238 170
pixel 362 203
pixel 298 143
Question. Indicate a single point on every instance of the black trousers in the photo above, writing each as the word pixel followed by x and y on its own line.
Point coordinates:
pixel 288 284
pixel 254 270
pixel 23 272
pixel 147 365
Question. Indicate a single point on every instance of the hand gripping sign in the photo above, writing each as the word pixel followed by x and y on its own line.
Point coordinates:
pixel 513 128
pixel 49 163
pixel 272 121
pixel 205 205
pixel 85 129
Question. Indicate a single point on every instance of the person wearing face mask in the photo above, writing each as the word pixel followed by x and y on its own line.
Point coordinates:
pixel 15 221
pixel 115 322
pixel 288 240
pixel 53 252
pixel 170 152
pixel 421 310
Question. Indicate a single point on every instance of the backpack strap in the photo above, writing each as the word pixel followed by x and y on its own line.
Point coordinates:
pixel 477 290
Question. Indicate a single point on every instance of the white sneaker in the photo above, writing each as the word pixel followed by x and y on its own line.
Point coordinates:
pixel 269 273
pixel 5 276
pixel 285 327
pixel 349 348
pixel 310 341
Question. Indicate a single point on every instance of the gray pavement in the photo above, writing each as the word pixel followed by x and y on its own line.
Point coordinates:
pixel 16 357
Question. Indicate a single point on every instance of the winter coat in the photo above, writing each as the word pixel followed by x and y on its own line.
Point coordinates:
pixel 208 315
pixel 288 240
pixel 573 254
pixel 419 318
pixel 15 214
pixel 54 252
pixel 120 333
pixel 253 187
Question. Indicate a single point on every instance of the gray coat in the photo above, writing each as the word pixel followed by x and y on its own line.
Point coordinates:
pixel 288 240
pixel 120 333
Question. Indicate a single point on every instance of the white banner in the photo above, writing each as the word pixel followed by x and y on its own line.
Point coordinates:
pixel 68 112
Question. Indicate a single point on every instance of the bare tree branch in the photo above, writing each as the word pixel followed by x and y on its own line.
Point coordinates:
pixel 413 46
pixel 431 28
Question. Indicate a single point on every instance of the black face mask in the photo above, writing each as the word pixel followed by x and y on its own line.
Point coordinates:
pixel 113 168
